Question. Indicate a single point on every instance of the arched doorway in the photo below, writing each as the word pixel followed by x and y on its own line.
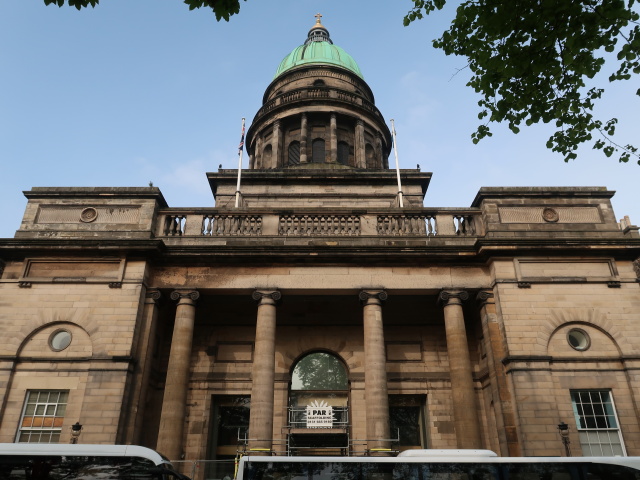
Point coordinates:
pixel 318 406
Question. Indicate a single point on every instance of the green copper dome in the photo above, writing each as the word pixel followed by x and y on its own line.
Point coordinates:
pixel 318 49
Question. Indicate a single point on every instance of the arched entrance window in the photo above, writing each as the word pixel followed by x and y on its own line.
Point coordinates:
pixel 319 371
pixel 318 400
pixel 317 151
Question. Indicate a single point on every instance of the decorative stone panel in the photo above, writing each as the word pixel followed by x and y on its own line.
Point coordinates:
pixel 550 215
pixel 235 352
pixel 535 270
pixel 73 271
pixel 88 214
pixel 404 351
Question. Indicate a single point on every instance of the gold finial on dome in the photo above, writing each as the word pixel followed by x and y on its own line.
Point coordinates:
pixel 318 23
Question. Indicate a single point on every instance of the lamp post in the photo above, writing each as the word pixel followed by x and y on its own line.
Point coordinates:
pixel 563 430
pixel 76 428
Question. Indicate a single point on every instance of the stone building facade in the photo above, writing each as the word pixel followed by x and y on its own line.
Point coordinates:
pixel 319 316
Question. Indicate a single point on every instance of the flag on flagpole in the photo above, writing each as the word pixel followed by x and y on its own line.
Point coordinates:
pixel 241 139
pixel 240 165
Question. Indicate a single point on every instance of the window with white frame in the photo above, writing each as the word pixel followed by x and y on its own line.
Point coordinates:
pixel 42 416
pixel 597 423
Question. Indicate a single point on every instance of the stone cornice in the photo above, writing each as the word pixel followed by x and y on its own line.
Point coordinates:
pixel 20 247
pixel 498 193
pixel 97 192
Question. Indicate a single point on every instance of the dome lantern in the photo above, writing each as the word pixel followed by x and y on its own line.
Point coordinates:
pixel 318 33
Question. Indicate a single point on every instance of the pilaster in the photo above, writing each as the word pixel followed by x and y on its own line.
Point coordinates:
pixel 503 400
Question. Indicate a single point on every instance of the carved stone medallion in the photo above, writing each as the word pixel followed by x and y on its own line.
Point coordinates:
pixel 88 215
pixel 550 215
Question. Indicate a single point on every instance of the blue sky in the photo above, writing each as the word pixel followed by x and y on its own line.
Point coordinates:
pixel 146 90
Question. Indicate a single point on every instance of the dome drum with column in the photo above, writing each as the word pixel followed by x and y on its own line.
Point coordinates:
pixel 318 113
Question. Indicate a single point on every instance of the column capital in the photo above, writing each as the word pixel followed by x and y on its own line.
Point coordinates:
pixel 183 294
pixel 152 296
pixel 372 296
pixel 485 297
pixel 450 297
pixel 262 296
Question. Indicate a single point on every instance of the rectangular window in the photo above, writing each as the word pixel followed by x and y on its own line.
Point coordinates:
pixel 597 423
pixel 406 418
pixel 42 416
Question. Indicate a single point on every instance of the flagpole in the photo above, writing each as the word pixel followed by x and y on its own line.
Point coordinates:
pixel 395 151
pixel 240 150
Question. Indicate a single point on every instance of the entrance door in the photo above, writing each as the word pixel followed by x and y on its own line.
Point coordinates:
pixel 229 418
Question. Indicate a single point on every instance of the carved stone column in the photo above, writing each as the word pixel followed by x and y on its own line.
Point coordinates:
pixel 464 402
pixel 276 145
pixel 258 153
pixel 381 162
pixel 361 161
pixel 263 372
pixel 503 400
pixel 303 138
pixel 174 403
pixel 334 139
pixel 142 369
pixel 375 370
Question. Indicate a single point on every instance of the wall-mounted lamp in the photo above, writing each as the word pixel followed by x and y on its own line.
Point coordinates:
pixel 563 430
pixel 76 429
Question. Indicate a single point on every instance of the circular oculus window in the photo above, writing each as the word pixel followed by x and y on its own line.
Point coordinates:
pixel 578 339
pixel 59 340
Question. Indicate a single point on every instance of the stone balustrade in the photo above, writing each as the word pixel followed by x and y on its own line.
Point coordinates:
pixel 224 225
pixel 312 225
pixel 324 93
pixel 218 223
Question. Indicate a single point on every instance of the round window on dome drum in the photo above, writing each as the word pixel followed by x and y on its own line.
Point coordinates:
pixel 578 339
pixel 59 340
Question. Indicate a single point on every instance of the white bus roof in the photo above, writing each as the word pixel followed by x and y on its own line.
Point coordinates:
pixel 82 449
pixel 424 453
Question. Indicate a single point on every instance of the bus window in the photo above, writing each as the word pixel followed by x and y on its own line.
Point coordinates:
pixel 39 467
pixel 334 471
pixel 541 471
pixel 458 471
pixel 603 471
pixel 278 471
pixel 389 471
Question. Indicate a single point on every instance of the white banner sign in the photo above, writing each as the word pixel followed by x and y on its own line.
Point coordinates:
pixel 319 415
